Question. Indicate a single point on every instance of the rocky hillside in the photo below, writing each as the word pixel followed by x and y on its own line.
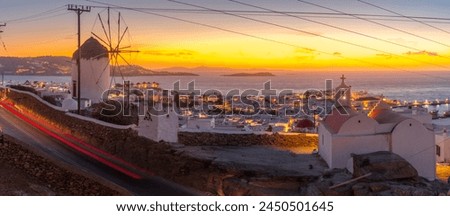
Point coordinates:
pixel 26 173
pixel 45 65
pixel 376 174
pixel 60 66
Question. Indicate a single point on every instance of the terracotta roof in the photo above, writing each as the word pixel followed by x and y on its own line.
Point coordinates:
pixel 92 49
pixel 305 123
pixel 383 114
pixel 334 121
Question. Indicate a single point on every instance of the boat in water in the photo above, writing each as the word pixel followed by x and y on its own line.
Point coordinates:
pixel 434 114
pixel 447 114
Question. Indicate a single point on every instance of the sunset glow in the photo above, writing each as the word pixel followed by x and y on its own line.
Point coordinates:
pixel 215 39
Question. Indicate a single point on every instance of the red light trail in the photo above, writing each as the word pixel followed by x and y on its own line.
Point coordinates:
pixel 72 145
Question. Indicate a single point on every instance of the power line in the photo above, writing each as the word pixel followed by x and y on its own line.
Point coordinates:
pixel 213 27
pixel 377 23
pixel 140 10
pixel 41 18
pixel 34 16
pixel 401 15
pixel 249 35
pixel 79 9
pixel 339 28
pixel 324 14
pixel 309 33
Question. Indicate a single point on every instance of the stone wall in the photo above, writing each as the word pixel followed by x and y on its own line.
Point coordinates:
pixel 222 139
pixel 163 159
pixel 91 132
pixel 61 180
pixel 157 157
pixel 124 143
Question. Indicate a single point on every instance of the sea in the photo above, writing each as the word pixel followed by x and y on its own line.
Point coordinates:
pixel 401 86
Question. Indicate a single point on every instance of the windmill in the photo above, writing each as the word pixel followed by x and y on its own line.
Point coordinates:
pixel 112 37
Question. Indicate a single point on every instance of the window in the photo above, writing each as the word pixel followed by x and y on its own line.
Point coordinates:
pixel 438 150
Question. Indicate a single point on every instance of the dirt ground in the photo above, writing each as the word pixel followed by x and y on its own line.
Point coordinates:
pixel 298 149
pixel 15 182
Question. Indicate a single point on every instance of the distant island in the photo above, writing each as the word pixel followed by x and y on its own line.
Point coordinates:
pixel 167 73
pixel 61 66
pixel 135 70
pixel 250 74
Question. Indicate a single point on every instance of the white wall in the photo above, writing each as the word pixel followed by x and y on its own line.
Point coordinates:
pixel 344 146
pixel 164 127
pixel 443 141
pixel 95 78
pixel 325 144
pixel 357 135
pixel 416 144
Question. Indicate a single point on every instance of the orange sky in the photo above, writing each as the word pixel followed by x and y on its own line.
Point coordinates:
pixel 164 42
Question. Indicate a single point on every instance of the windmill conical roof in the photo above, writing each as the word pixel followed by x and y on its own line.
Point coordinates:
pixel 92 49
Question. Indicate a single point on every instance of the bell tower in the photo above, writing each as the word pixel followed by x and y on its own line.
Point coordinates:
pixel 343 96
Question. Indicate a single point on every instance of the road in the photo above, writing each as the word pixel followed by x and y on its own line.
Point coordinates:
pixel 54 149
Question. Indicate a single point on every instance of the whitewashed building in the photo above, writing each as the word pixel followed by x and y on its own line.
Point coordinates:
pixel 341 135
pixel 159 124
pixel 95 71
pixel 442 147
pixel 345 132
pixel 159 127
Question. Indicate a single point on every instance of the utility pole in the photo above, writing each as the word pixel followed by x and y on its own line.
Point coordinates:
pixel 3 72
pixel 79 9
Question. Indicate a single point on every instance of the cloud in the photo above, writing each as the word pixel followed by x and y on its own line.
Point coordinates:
pixel 337 54
pixel 305 54
pixel 304 51
pixel 427 53
pixel 171 53
pixel 387 56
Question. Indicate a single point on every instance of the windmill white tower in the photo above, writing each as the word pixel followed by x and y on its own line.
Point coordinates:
pixel 95 72
pixel 158 127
